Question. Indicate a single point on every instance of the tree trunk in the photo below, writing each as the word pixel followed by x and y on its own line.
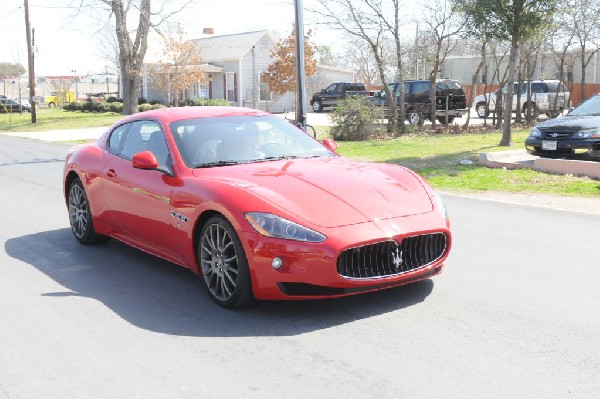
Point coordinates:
pixel 131 54
pixel 507 112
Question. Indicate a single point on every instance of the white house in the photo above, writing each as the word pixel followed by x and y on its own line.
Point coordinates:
pixel 234 64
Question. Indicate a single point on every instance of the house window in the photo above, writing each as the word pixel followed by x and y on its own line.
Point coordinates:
pixel 230 86
pixel 264 44
pixel 265 94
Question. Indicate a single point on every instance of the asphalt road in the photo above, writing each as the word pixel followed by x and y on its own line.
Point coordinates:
pixel 514 315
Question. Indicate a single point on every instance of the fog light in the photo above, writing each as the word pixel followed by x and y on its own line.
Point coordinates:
pixel 277 263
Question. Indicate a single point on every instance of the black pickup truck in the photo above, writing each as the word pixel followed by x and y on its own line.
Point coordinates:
pixel 450 100
pixel 336 92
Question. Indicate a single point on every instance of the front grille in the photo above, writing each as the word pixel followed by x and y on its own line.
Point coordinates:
pixel 556 135
pixel 387 258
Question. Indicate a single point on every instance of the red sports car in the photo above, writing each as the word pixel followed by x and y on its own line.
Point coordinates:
pixel 254 205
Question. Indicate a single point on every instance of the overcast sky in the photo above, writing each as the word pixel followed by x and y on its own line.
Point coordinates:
pixel 65 43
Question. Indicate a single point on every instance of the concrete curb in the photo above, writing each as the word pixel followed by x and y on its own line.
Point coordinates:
pixel 568 167
pixel 514 159
pixel 519 159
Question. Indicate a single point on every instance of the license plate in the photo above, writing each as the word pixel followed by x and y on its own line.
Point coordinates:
pixel 549 145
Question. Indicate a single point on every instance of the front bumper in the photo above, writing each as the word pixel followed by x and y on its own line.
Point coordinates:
pixel 310 270
pixel 564 147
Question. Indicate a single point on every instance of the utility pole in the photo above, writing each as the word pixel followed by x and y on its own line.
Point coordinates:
pixel 30 45
pixel 300 71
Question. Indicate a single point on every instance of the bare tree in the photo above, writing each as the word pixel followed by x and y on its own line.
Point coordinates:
pixel 132 44
pixel 179 67
pixel 581 18
pixel 444 24
pixel 348 17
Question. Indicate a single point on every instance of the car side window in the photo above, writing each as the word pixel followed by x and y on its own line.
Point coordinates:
pixel 538 88
pixel 116 138
pixel 146 136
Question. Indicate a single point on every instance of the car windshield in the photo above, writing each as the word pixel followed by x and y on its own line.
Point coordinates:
pixel 210 142
pixel 591 107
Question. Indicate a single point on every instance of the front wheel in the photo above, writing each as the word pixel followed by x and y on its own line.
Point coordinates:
pixel 223 264
pixel 317 106
pixel 414 118
pixel 482 110
pixel 531 108
pixel 80 215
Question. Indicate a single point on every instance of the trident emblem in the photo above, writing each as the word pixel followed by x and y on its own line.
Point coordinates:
pixel 397 258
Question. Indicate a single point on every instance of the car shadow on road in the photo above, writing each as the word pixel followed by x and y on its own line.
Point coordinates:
pixel 159 296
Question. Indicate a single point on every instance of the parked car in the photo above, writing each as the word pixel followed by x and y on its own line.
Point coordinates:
pixel 547 97
pixel 336 92
pixel 254 205
pixel 450 100
pixel 10 106
pixel 23 101
pixel 578 132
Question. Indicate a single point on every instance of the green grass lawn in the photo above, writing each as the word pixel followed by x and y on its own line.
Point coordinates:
pixel 437 157
pixel 55 119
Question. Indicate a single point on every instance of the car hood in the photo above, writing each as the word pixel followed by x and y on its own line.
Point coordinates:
pixel 570 123
pixel 330 192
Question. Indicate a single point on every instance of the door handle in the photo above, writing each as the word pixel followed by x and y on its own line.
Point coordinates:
pixel 111 173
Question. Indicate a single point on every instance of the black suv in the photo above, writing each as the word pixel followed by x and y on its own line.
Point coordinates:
pixel 450 100
pixel 334 93
pixel 10 106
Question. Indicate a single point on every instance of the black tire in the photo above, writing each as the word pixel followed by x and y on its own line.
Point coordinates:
pixel 532 109
pixel 414 118
pixel 80 215
pixel 223 264
pixel 482 110
pixel 317 106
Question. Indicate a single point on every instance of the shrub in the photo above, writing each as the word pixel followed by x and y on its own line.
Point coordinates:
pixel 354 120
pixel 210 102
pixel 113 99
pixel 73 106
pixel 145 107
pixel 116 107
pixel 90 106
pixel 103 107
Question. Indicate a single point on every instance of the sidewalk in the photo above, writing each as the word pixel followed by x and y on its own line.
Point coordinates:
pixel 92 133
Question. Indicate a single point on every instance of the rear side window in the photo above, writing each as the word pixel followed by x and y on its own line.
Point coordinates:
pixel 539 88
pixel 116 138
pixel 419 88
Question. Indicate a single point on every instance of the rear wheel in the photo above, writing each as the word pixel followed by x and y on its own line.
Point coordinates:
pixel 482 110
pixel 414 118
pixel 80 215
pixel 317 106
pixel 531 108
pixel 223 264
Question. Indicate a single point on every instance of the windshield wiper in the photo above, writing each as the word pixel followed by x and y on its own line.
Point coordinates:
pixel 283 157
pixel 217 163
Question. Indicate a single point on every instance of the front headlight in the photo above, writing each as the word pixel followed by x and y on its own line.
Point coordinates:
pixel 439 204
pixel 587 134
pixel 535 133
pixel 270 225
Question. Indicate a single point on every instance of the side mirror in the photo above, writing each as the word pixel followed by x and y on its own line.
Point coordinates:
pixel 330 144
pixel 144 160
